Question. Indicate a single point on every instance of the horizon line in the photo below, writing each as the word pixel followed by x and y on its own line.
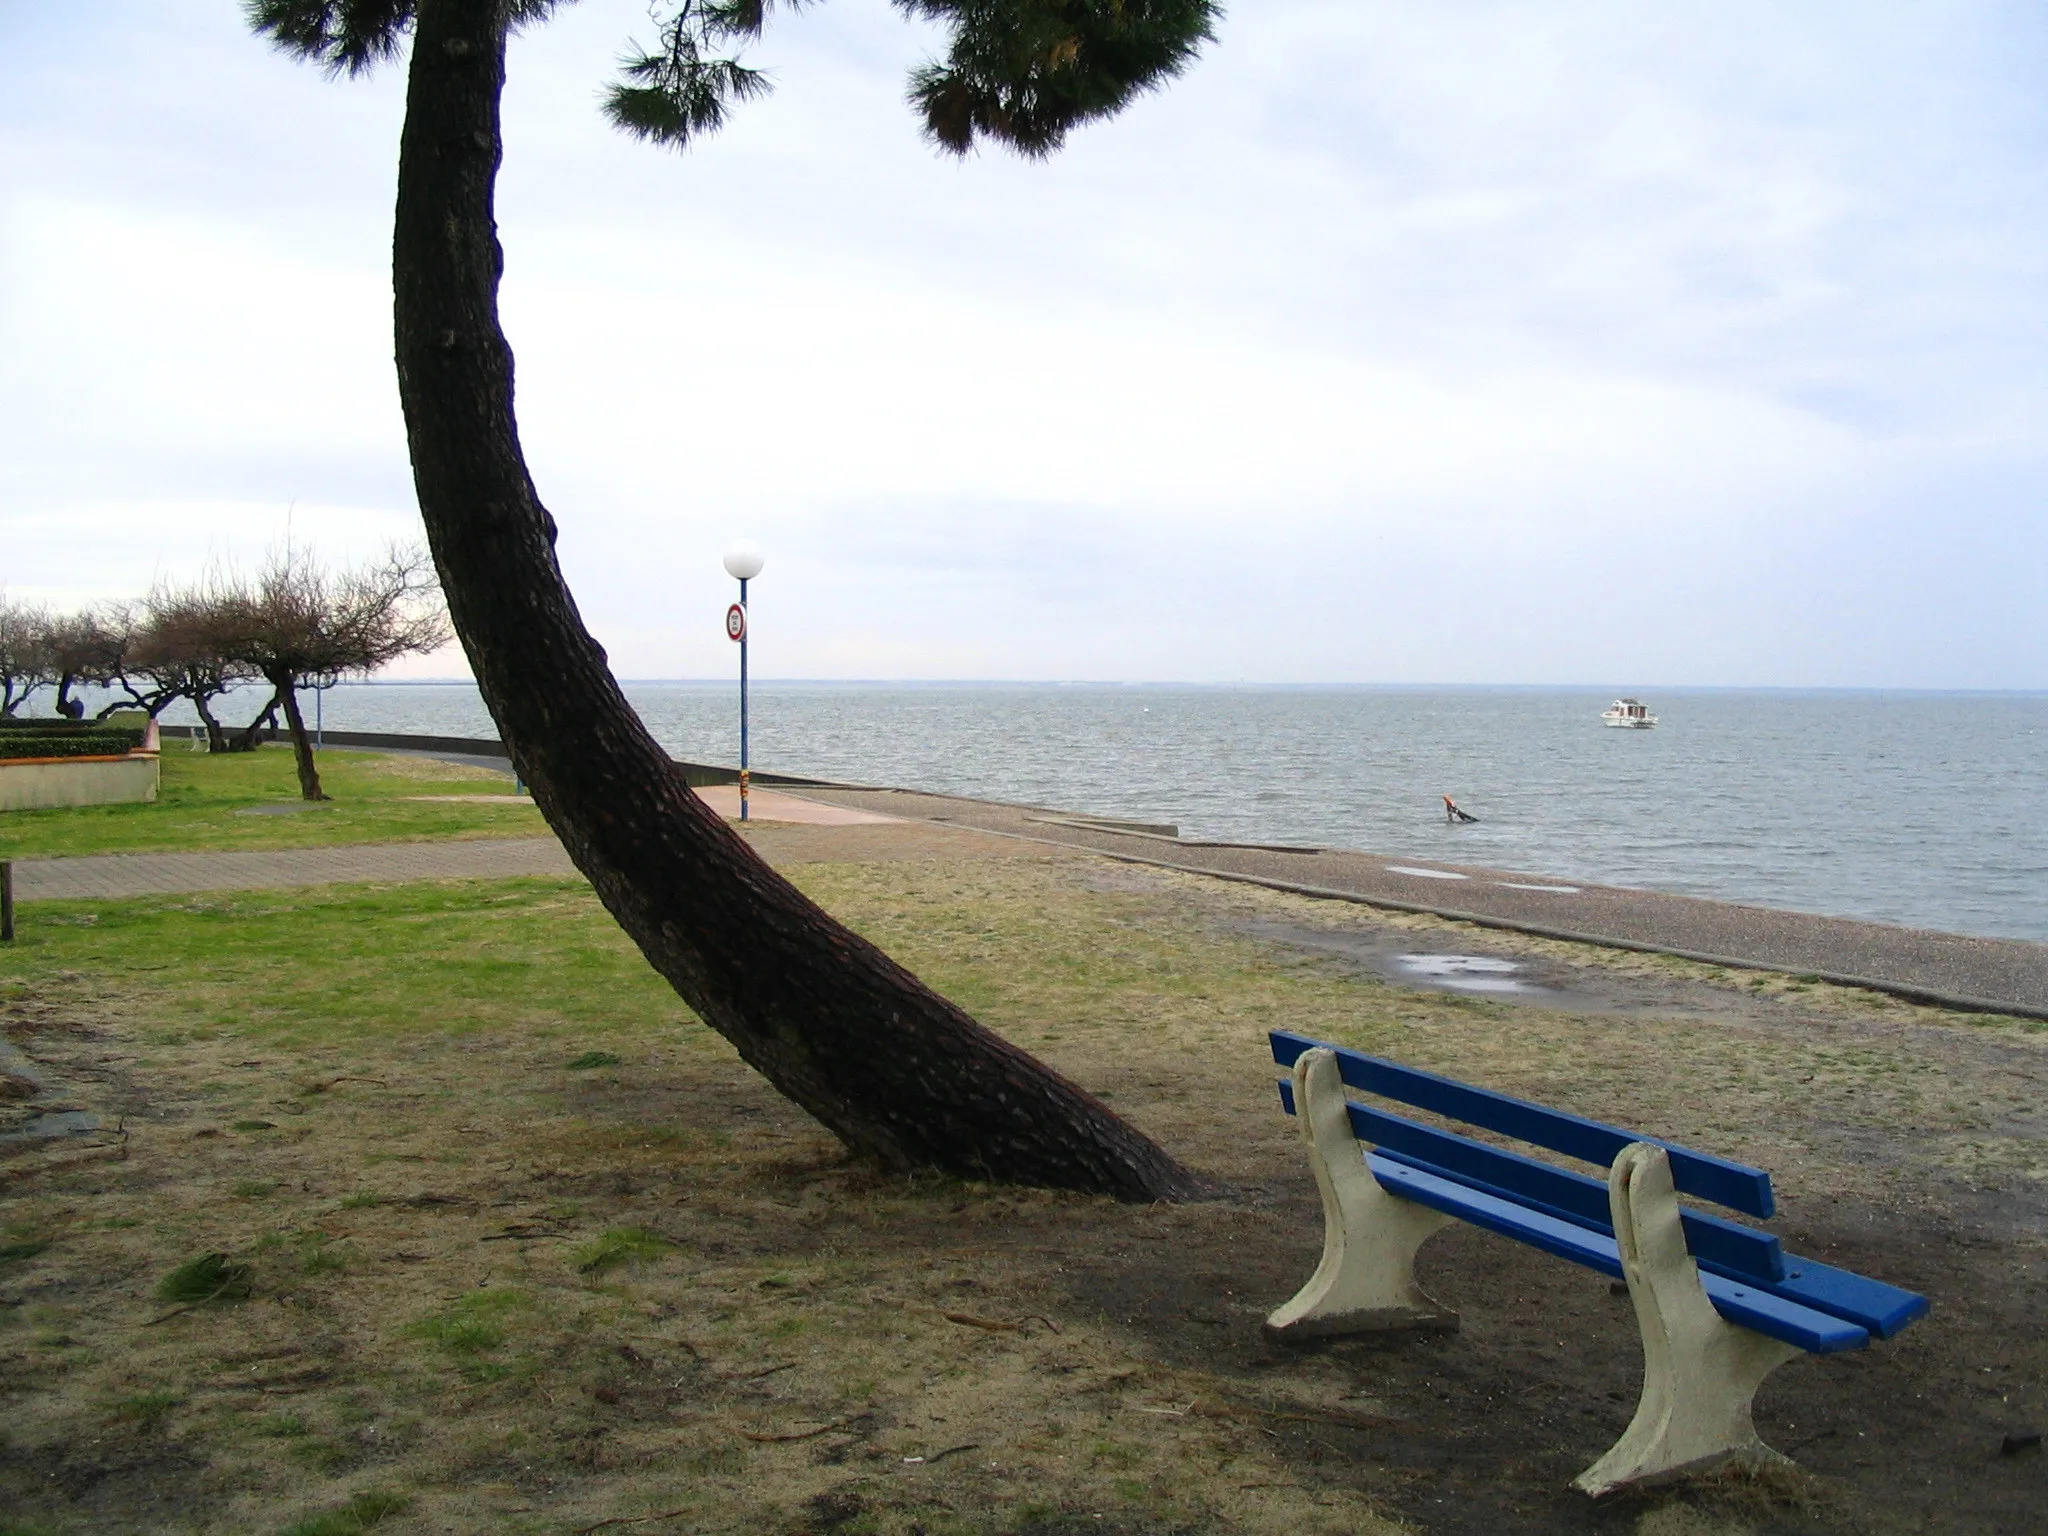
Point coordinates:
pixel 1248 683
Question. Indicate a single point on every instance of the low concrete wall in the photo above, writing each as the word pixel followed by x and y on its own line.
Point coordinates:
pixel 60 782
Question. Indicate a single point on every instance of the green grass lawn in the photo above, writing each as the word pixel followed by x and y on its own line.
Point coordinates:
pixel 428 1189
pixel 212 802
pixel 356 962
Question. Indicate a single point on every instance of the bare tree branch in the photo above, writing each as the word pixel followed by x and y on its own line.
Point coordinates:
pixel 296 625
pixel 24 658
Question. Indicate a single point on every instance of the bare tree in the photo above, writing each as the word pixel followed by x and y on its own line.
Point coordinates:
pixel 23 656
pixel 119 660
pixel 83 648
pixel 298 625
pixel 123 647
pixel 174 651
pixel 39 649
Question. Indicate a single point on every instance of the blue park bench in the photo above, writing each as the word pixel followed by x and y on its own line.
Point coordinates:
pixel 1720 1304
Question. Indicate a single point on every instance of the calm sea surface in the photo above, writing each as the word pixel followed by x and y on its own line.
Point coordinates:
pixel 1921 808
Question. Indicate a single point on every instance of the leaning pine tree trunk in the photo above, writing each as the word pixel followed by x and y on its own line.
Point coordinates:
pixel 896 1071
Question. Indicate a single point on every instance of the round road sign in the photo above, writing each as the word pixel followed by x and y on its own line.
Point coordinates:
pixel 736 622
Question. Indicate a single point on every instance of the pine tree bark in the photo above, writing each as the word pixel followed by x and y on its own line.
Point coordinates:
pixel 897 1072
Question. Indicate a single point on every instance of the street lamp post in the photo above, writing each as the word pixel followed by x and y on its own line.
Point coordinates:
pixel 742 561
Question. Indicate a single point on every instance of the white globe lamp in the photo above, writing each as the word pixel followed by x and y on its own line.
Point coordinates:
pixel 743 561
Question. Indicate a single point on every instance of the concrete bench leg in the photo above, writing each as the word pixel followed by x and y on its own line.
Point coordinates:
pixel 1366 1280
pixel 1700 1371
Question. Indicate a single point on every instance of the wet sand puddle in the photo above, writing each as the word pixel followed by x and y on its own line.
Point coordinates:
pixel 1464 973
pixel 1527 980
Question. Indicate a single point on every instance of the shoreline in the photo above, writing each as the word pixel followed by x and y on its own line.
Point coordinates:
pixel 1947 970
pixel 1859 809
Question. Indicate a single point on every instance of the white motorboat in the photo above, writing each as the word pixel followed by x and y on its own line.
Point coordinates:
pixel 1629 715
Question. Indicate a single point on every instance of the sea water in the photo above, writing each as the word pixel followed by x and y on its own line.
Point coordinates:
pixel 1929 809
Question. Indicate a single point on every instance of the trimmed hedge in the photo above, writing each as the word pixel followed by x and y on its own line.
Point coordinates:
pixel 89 741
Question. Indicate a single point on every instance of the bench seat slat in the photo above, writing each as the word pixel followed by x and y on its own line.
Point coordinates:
pixel 1742 1303
pixel 1735 1185
pixel 1741 1251
pixel 1884 1310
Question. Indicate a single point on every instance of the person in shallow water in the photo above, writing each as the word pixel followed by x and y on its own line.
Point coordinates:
pixel 1453 815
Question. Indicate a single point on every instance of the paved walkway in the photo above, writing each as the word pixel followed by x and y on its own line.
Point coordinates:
pixel 773 805
pixel 1996 975
pixel 110 875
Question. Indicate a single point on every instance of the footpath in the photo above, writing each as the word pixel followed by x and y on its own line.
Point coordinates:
pixel 1947 970
pixel 109 876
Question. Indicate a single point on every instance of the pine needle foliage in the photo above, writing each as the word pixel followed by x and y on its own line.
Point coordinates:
pixel 346 37
pixel 677 94
pixel 1022 73
pixel 352 37
pixel 1025 72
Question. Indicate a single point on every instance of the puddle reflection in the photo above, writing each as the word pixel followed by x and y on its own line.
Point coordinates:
pixel 1466 973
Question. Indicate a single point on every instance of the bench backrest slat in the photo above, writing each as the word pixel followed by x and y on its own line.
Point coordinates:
pixel 1700 1174
pixel 1573 1196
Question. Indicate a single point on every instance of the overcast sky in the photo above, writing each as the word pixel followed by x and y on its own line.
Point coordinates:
pixel 1400 341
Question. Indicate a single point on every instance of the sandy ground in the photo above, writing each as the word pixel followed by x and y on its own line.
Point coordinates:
pixel 800 1345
